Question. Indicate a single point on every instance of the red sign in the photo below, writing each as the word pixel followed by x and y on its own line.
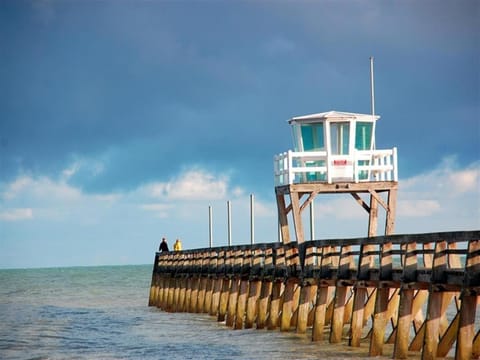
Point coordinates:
pixel 340 162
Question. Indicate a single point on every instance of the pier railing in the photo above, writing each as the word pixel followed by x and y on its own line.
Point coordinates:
pixel 400 293
pixel 363 165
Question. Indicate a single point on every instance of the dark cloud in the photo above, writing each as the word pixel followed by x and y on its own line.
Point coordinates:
pixel 145 89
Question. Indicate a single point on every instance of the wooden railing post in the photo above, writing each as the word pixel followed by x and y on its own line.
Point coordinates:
pixel 277 288
pixel 381 302
pixel 406 302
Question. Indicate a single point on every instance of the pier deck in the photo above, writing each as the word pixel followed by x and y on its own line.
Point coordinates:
pixel 418 292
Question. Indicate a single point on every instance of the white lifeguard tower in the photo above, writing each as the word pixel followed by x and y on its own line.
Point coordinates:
pixel 334 152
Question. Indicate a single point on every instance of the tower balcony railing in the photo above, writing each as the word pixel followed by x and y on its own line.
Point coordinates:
pixel 318 166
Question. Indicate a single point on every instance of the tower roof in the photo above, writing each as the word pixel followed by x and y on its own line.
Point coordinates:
pixel 333 115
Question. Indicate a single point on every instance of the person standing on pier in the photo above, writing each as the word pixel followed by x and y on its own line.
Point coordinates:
pixel 177 246
pixel 163 245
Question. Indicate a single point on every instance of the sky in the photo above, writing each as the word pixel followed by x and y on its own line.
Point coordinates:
pixel 122 121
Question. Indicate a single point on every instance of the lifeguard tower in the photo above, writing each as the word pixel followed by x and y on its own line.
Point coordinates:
pixel 334 152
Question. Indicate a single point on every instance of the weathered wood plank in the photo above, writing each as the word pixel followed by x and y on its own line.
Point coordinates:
pixel 303 309
pixel 252 302
pixel 287 305
pixel 275 305
pixel 404 322
pixel 324 294
pixel 338 314
pixel 263 303
pixel 357 316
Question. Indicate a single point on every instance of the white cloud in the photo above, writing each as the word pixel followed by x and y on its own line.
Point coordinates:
pixel 52 200
pixel 159 210
pixel 418 208
pixel 16 187
pixel 70 171
pixel 441 190
pixel 16 214
pixel 46 188
pixel 466 180
pixel 38 188
pixel 84 166
pixel 193 185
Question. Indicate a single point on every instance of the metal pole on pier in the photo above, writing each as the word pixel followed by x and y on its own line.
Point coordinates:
pixel 372 88
pixel 312 222
pixel 229 216
pixel 372 97
pixel 252 219
pixel 210 225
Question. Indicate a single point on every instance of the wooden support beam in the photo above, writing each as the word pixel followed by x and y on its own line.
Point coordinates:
pixel 201 294
pixel 421 296
pixel 379 322
pixel 347 315
pixel 357 316
pixel 194 294
pixel 295 303
pixel 432 324
pixel 392 314
pixel 449 337
pixel 241 305
pixel 263 303
pixel 310 198
pixel 161 285
pixel 370 305
pixel 303 308
pixel 324 294
pixel 176 295
pixel 252 301
pixel 171 291
pixel 361 202
pixel 338 314
pixel 379 199
pixel 217 290
pixel 153 287
pixel 313 299
pixel 373 217
pixel 287 307
pixel 282 218
pixel 390 218
pixel 224 295
pixel 207 305
pixel 273 317
pixel 185 295
pixel 404 322
pixel 297 217
pixel 232 301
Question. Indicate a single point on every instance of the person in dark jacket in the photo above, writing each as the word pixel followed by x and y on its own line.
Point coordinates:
pixel 163 245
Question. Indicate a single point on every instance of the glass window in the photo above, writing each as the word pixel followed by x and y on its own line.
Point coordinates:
pixel 363 135
pixel 312 136
pixel 339 135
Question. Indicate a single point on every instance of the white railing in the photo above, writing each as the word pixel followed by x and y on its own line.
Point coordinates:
pixel 363 165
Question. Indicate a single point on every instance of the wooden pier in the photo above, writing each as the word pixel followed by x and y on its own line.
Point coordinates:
pixel 418 293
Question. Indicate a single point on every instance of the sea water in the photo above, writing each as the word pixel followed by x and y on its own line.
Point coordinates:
pixel 102 313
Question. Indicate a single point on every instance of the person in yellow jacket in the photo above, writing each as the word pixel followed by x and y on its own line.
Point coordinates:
pixel 177 246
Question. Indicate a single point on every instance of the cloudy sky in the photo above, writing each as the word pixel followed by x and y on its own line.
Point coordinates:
pixel 122 121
